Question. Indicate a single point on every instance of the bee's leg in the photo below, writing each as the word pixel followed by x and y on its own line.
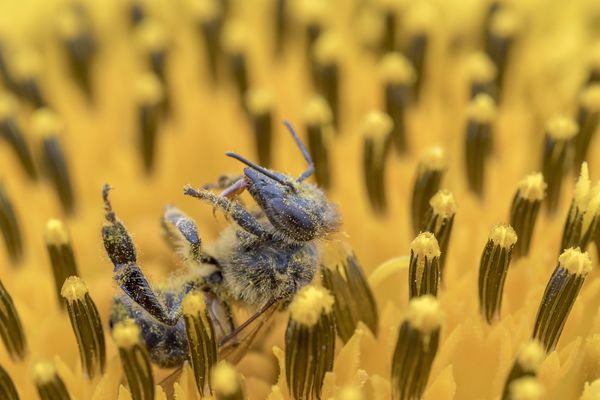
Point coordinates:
pixel 234 189
pixel 182 234
pixel 232 209
pixel 223 182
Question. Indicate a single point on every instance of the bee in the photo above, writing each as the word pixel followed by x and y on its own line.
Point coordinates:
pixel 260 260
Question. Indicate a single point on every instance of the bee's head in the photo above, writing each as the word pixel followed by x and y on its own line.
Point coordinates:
pixel 297 210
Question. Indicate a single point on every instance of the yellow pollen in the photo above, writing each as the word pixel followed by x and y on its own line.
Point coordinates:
pixel 587 198
pixel 533 187
pixel 503 236
pixel 148 89
pixel 317 112
pixel 151 36
pixel 425 245
pixel 73 289
pixel 193 303
pixel 561 127
pixel 235 37
pixel 377 124
pixel 420 18
pixel 56 232
pixel 396 69
pixel 43 372
pixel 531 356
pixel 259 101
pixel 425 314
pixel 480 68
pixel 69 25
pixel 505 23
pixel 204 10
pixel 434 158
pixel 527 388
pixel 590 97
pixel 591 391
pixel 482 109
pixel 327 49
pixel 443 204
pixel 26 64
pixel 126 334
pixel 311 11
pixel 45 122
pixel 309 304
pixel 224 379
pixel 576 262
pixel 350 393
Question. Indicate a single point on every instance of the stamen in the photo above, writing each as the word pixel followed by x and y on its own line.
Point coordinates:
pixel 87 325
pixel 557 157
pixel 25 68
pixel 527 388
pixel 9 225
pixel 309 342
pixel 5 69
pixel 226 382
pixel 60 251
pixel 478 140
pixel 428 177
pixel 79 43
pixel 525 209
pixel 559 296
pixel 313 14
pixel 481 72
pixel 8 391
pixel 376 129
pixel 594 75
pixel 208 17
pixel 527 364
pixel 134 359
pixel 201 339
pixel 584 213
pixel 150 94
pixel 259 103
pixel 326 71
pixel 418 21
pixel 12 133
pixel 153 40
pixel 318 120
pixel 11 330
pixel 281 10
pixel 439 220
pixel 48 126
pixel 416 348
pixel 136 12
pixel 49 385
pixel 234 44
pixel 398 77
pixel 390 33
pixel 424 268
pixel 503 29
pixel 493 268
pixel 588 119
pixel 354 300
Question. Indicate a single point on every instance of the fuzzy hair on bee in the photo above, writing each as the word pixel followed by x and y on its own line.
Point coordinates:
pixel 260 260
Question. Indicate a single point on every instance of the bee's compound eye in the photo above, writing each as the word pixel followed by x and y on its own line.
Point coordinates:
pixel 215 278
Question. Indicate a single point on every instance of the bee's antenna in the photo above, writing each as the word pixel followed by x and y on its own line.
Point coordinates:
pixel 110 214
pixel 303 150
pixel 258 168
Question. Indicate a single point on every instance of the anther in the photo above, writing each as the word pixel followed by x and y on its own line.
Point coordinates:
pixel 49 384
pixel 319 128
pixel 390 27
pixel 201 339
pixel 134 360
pixel 9 226
pixel 428 177
pixel 354 300
pixel 481 72
pixel 419 20
pixel 153 41
pixel 493 267
pixel 478 140
pixel 87 326
pixel 234 42
pixel 11 330
pixel 48 127
pixel 8 391
pixel 259 103
pixel 25 69
pixel 525 209
pixel 527 388
pixel 557 157
pixel 416 348
pixel 281 10
pixel 226 382
pixel 503 29
pixel 208 17
pixel 588 119
pixel 80 45
pixel 313 14
pixel 12 133
pixel 60 251
pixel 309 342
pixel 584 213
pixel 439 220
pixel 560 294
pixel 150 94
pixel 527 364
pixel 594 74
pixel 376 129
pixel 326 71
pixel 424 266
pixel 398 77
